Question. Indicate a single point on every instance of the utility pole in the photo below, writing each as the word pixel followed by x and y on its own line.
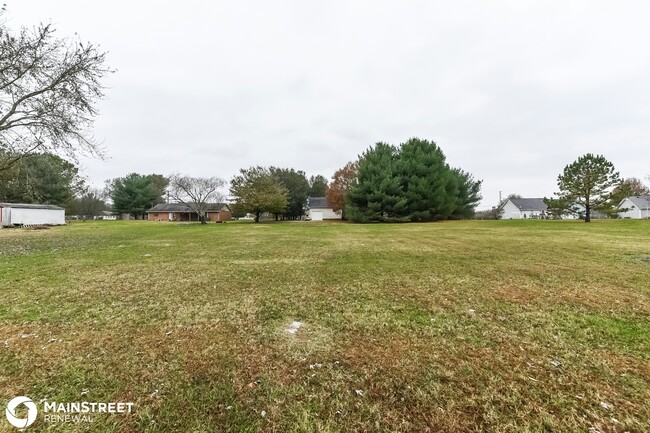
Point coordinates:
pixel 499 198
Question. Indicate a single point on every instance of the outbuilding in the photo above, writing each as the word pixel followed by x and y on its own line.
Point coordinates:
pixel 22 214
pixel 318 209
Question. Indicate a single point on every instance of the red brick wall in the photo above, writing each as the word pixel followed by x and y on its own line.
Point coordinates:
pixel 212 216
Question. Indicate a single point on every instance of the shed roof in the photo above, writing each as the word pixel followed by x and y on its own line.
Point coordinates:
pixel 31 206
pixel 534 204
pixel 181 207
pixel 318 203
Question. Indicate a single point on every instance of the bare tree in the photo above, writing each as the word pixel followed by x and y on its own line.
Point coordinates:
pixel 197 192
pixel 48 91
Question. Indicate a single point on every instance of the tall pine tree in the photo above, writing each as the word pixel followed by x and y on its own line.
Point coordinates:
pixel 412 182
pixel 428 183
pixel 377 195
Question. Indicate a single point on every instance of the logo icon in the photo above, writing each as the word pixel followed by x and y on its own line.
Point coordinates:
pixel 21 422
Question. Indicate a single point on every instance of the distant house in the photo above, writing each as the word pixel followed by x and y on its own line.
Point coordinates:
pixel 636 207
pixel 180 212
pixel 579 211
pixel 21 214
pixel 524 208
pixel 318 209
pixel 107 215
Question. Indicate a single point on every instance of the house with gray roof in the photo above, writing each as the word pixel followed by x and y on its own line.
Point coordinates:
pixel 524 208
pixel 635 207
pixel 318 209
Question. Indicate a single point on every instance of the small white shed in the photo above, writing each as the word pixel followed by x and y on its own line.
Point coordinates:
pixel 21 214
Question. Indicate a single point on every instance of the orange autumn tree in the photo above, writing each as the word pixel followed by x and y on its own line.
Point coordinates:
pixel 342 181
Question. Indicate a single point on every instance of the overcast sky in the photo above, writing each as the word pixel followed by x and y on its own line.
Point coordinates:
pixel 512 91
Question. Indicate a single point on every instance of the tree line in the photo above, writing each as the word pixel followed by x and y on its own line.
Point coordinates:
pixel 49 88
pixel 387 183
pixel 258 190
pixel 410 182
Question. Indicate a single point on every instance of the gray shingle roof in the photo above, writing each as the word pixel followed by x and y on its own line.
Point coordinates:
pixel 318 203
pixel 640 201
pixel 180 207
pixel 534 204
pixel 31 206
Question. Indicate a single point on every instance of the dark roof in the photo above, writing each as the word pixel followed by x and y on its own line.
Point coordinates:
pixel 640 201
pixel 180 207
pixel 31 206
pixel 535 204
pixel 318 203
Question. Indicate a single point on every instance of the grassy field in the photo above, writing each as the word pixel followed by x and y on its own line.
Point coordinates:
pixel 476 326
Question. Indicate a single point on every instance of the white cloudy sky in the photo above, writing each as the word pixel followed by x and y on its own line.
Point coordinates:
pixel 511 90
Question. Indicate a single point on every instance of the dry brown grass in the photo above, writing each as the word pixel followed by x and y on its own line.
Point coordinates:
pixel 454 327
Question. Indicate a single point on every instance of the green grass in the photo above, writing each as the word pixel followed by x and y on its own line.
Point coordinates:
pixel 443 327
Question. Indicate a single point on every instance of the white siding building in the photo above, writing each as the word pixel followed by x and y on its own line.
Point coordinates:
pixel 523 208
pixel 19 214
pixel 318 210
pixel 637 207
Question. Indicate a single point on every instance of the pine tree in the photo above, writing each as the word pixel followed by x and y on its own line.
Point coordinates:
pixel 588 181
pixel 430 186
pixel 377 195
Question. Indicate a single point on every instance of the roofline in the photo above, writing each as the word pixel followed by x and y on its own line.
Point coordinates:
pixel 32 206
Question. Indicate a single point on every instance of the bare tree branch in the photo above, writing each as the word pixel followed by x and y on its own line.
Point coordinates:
pixel 197 193
pixel 48 91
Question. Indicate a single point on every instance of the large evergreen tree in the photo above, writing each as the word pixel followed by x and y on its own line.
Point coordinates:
pixel 588 181
pixel 412 182
pixel 468 196
pixel 430 186
pixel 135 193
pixel 377 194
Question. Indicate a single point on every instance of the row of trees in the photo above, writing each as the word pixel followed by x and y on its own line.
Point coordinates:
pixel 49 88
pixel 411 182
pixel 257 190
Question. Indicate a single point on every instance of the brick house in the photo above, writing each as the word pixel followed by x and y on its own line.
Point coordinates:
pixel 180 212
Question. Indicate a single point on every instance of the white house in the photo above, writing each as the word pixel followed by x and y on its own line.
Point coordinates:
pixel 318 210
pixel 19 214
pixel 107 215
pixel 637 207
pixel 523 208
